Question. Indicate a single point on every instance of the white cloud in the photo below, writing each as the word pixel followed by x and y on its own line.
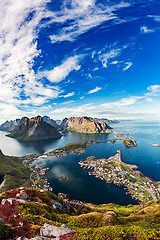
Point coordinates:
pixel 82 16
pixel 18 51
pixel 149 99
pixel 60 72
pixel 156 18
pixel 154 90
pixel 95 69
pixel 69 95
pixel 114 62
pixel 104 58
pixel 128 65
pixel 68 102
pixel 94 90
pixel 123 102
pixel 146 30
pixel 82 97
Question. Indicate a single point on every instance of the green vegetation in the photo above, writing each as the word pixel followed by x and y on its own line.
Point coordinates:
pixel 129 142
pixel 120 173
pixel 5 232
pixel 99 222
pixel 75 147
pixel 16 174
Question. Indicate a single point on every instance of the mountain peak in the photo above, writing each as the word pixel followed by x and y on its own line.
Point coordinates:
pixel 34 129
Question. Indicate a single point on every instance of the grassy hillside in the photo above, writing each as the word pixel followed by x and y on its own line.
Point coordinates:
pixel 16 174
pixel 107 221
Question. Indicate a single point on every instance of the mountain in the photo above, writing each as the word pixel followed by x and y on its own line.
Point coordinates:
pixel 50 121
pixel 84 125
pixel 9 125
pixel 107 120
pixel 34 129
pixel 35 214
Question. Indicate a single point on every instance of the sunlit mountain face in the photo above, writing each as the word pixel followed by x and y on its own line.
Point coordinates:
pixel 64 58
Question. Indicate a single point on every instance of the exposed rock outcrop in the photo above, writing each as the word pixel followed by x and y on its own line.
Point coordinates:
pixel 129 142
pixel 85 125
pixel 34 129
pixel 50 121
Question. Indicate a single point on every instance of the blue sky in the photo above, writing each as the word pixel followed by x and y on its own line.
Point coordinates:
pixel 72 58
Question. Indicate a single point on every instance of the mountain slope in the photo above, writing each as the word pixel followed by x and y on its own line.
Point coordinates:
pixel 9 125
pixel 34 129
pixel 31 213
pixel 85 125
pixel 50 121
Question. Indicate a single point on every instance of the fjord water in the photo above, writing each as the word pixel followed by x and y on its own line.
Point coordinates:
pixel 80 185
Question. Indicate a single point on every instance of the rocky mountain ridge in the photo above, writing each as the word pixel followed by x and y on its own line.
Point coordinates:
pixel 34 129
pixel 75 124
pixel 9 125
pixel 85 125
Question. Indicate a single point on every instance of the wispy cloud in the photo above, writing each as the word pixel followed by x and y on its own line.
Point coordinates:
pixel 145 29
pixel 154 90
pixel 69 95
pixel 68 102
pixel 94 90
pixel 155 17
pixel 18 51
pixel 60 72
pixel 128 65
pixel 122 102
pixel 77 17
pixel 104 58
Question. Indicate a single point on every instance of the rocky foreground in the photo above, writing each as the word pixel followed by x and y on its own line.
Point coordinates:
pixel 41 215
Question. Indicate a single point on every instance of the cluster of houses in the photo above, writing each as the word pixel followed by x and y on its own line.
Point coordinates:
pixel 38 181
pixel 113 170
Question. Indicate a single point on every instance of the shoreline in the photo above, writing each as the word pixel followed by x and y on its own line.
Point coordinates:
pixel 113 170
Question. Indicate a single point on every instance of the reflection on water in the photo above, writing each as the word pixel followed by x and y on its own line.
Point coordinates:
pixel 14 147
pixel 80 185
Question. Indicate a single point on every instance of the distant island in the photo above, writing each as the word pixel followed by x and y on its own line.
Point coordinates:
pixel 85 125
pixel 34 129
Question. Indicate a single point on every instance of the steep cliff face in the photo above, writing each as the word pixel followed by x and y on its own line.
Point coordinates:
pixel 9 125
pixel 85 125
pixel 34 129
pixel 50 121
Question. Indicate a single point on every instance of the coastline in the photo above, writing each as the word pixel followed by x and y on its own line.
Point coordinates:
pixel 113 170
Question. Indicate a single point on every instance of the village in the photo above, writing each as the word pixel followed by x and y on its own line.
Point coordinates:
pixel 113 170
pixel 37 178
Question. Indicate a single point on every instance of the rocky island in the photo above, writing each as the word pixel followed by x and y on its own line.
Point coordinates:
pixel 113 170
pixel 129 142
pixel 34 129
pixel 85 125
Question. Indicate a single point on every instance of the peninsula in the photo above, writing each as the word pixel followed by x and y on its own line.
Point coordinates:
pixel 19 171
pixel 113 170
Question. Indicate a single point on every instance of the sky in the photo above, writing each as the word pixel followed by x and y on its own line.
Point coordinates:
pixel 63 58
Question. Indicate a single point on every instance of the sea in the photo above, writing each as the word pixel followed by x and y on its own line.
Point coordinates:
pixel 80 185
